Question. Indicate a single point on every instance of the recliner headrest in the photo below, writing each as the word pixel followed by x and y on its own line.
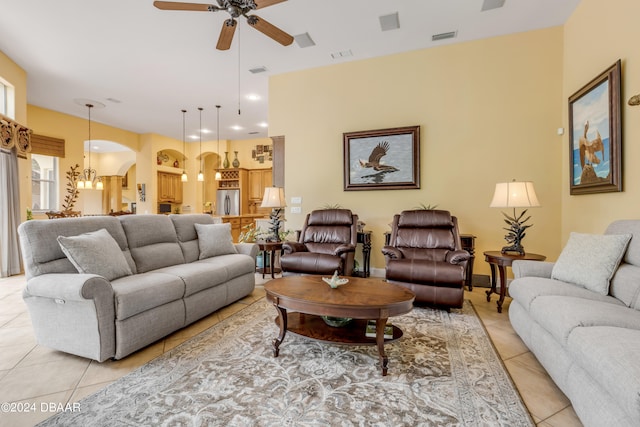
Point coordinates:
pixel 423 218
pixel 330 217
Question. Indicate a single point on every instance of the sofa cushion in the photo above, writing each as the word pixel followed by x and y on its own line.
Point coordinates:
pixel 526 289
pixel 590 260
pixel 152 241
pixel 95 252
pixel 214 240
pixel 610 355
pixel 186 232
pixel 141 292
pixel 561 315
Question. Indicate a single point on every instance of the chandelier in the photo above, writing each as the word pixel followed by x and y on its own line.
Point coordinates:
pixel 89 177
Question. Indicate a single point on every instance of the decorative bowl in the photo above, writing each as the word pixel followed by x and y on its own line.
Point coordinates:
pixel 336 322
pixel 335 281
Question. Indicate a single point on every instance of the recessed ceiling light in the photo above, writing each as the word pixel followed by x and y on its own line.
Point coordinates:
pixel 304 40
pixel 263 125
pixel 491 4
pixel 205 131
pixel 253 97
pixel 389 22
pixel 236 127
pixel 95 147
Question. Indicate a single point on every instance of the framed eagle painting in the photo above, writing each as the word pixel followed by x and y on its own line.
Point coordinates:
pixel 383 159
pixel 595 139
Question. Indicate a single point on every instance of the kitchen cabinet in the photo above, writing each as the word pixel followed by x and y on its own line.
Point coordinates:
pixel 236 179
pixel 235 226
pixel 169 187
pixel 259 179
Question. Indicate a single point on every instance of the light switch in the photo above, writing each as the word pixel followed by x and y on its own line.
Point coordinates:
pixel 296 200
pixel 296 209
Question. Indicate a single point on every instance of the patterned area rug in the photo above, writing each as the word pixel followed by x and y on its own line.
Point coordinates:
pixel 443 372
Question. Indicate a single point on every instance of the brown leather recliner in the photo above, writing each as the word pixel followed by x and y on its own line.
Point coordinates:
pixel 326 243
pixel 425 255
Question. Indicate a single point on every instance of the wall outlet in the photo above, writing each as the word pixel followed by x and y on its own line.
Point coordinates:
pixel 296 209
pixel 296 200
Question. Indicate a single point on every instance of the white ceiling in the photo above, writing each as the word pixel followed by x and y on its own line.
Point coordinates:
pixel 146 64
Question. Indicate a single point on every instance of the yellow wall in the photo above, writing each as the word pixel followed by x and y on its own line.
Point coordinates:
pixel 488 112
pixel 596 36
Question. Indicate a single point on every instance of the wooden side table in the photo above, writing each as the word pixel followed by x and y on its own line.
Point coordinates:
pixel 468 244
pixel 502 261
pixel 271 248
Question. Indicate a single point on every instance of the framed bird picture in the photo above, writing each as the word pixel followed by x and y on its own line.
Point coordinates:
pixel 383 159
pixel 595 139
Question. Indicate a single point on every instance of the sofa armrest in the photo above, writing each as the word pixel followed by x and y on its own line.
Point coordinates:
pixel 250 249
pixel 74 313
pixel 291 247
pixel 344 249
pixel 391 252
pixel 457 257
pixel 523 268
pixel 70 287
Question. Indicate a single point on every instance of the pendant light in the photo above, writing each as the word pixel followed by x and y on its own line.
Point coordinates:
pixel 89 176
pixel 200 174
pixel 184 177
pixel 218 174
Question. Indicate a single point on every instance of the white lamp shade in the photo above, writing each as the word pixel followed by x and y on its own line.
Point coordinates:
pixel 80 185
pixel 273 198
pixel 184 177
pixel 514 195
pixel 99 185
pixel 218 176
pixel 200 176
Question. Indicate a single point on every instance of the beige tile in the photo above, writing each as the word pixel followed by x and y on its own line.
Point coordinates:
pixel 11 355
pixel 111 370
pixel 35 410
pixel 40 355
pixel 39 380
pixel 540 394
pixel 22 335
pixel 82 392
pixel 565 418
pixel 507 342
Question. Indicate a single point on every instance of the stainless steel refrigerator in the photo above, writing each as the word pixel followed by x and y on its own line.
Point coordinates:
pixel 228 202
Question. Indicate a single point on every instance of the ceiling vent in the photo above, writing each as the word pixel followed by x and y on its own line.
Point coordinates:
pixel 389 22
pixel 343 54
pixel 304 40
pixel 444 36
pixel 256 70
pixel 492 4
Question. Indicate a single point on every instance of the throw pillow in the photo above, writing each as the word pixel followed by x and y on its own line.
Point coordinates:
pixel 590 260
pixel 95 252
pixel 214 240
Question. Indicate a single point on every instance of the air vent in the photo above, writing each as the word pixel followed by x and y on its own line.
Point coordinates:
pixel 343 54
pixel 257 70
pixel 304 40
pixel 389 22
pixel 492 4
pixel 444 36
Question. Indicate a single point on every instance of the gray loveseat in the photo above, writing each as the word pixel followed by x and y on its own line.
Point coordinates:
pixel 168 287
pixel 589 342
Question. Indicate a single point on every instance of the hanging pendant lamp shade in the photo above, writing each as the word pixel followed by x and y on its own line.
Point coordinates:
pixel 218 174
pixel 89 176
pixel 200 174
pixel 184 177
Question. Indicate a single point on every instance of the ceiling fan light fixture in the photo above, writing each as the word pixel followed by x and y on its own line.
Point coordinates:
pixel 389 22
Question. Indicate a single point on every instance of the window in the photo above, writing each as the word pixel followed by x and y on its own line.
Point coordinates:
pixel 44 182
pixel 3 98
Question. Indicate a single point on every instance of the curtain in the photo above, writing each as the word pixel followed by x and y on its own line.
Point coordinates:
pixel 10 258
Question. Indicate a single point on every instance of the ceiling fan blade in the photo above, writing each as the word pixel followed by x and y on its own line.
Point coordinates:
pixel 265 3
pixel 226 34
pixel 270 30
pixel 174 5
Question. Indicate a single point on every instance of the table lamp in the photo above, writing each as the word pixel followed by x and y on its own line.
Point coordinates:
pixel 274 198
pixel 515 195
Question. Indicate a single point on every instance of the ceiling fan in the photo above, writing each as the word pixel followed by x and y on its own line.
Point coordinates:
pixel 235 8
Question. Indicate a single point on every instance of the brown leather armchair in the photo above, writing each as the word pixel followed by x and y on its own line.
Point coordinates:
pixel 326 243
pixel 425 255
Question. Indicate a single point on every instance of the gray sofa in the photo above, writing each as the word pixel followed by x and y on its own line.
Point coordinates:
pixel 169 286
pixel 588 342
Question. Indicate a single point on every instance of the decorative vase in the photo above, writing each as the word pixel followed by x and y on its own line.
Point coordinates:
pixel 176 164
pixel 236 162
pixel 225 163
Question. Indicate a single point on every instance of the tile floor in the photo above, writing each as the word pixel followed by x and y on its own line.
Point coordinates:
pixel 37 375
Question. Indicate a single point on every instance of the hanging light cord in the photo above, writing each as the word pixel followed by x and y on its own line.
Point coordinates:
pixel 200 108
pixel 239 32
pixel 183 142
pixel 89 106
pixel 218 131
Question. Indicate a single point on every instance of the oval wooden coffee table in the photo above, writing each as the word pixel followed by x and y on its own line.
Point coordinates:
pixel 361 299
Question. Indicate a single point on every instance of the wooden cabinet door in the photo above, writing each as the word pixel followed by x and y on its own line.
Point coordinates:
pixel 177 189
pixel 259 179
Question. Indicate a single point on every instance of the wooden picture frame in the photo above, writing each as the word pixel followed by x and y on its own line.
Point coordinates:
pixel 595 139
pixel 383 159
